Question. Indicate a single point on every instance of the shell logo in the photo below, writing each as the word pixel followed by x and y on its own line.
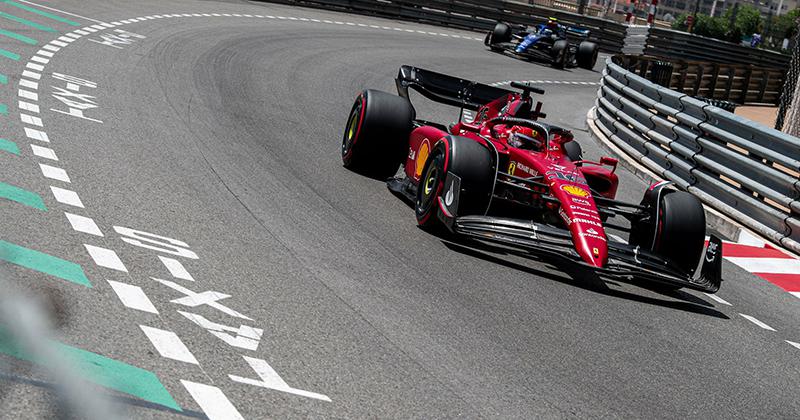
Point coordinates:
pixel 575 190
pixel 422 156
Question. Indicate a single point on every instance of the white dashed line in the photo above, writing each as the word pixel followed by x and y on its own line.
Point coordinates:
pixel 52 48
pixel 757 322
pixel 28 94
pixel 30 119
pixel 41 60
pixel 67 197
pixel 27 106
pixel 36 135
pixel 169 345
pixel 28 84
pixel 176 268
pixel 105 257
pixel 133 297
pixel 718 299
pixel 31 74
pixel 212 401
pixel 44 152
pixel 54 173
pixel 83 224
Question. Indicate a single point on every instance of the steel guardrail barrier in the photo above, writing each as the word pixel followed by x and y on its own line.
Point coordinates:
pixel 737 83
pixel 481 15
pixel 745 170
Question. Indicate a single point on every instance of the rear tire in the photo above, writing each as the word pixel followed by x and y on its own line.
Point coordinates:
pixel 376 135
pixel 587 55
pixel 559 52
pixel 468 160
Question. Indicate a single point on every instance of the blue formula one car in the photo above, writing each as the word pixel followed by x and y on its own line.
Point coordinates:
pixel 544 42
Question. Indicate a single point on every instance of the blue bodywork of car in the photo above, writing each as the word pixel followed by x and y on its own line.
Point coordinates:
pixel 542 32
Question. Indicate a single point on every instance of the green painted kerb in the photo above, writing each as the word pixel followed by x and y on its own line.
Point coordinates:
pixel 41 13
pixel 27 22
pixel 101 370
pixel 9 146
pixel 9 54
pixel 3 79
pixel 18 37
pixel 43 263
pixel 21 196
pixel 3 109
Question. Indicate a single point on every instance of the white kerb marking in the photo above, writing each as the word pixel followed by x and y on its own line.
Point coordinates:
pixel 757 322
pixel 718 299
pixel 793 344
pixel 767 265
pixel 795 294
pixel 271 380
pixel 66 197
pixel 40 59
pixel 52 48
pixel 212 401
pixel 83 224
pixel 133 297
pixel 169 345
pixel 37 67
pixel 176 268
pixel 44 152
pixel 54 173
pixel 105 257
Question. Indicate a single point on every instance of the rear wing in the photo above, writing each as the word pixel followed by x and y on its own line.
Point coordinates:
pixel 446 89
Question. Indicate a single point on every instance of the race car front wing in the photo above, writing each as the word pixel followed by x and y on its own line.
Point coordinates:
pixel 625 262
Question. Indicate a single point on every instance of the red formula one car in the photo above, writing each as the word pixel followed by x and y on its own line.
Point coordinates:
pixel 507 178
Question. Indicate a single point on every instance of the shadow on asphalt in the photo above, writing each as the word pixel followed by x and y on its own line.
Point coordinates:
pixel 580 278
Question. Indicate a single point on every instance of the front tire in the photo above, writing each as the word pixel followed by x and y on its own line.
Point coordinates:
pixel 500 33
pixel 376 135
pixel 559 52
pixel 587 55
pixel 680 235
pixel 465 158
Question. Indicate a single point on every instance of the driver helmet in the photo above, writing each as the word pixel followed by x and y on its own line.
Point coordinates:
pixel 552 23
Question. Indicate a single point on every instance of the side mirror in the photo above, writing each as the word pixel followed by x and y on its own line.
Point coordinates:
pixel 605 160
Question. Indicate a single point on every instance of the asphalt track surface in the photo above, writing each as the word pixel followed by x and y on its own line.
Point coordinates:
pixel 224 132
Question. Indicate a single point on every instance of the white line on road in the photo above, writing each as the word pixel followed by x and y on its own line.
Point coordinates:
pixel 59 11
pixel 66 196
pixel 54 173
pixel 44 152
pixel 213 402
pixel 757 322
pixel 176 268
pixel 718 299
pixel 271 380
pixel 32 74
pixel 133 297
pixel 83 224
pixel 793 344
pixel 767 265
pixel 169 345
pixel 105 257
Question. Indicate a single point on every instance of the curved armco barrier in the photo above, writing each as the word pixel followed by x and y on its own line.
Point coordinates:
pixel 744 170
